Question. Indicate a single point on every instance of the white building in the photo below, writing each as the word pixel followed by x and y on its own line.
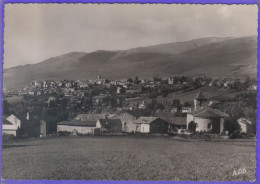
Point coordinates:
pixel 76 127
pixel 10 125
pixel 206 118
pixel 246 125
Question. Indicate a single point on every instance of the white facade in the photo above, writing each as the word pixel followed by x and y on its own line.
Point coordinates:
pixel 9 129
pixel 77 129
pixel 245 125
pixel 204 124
pixel 145 128
pixel 14 120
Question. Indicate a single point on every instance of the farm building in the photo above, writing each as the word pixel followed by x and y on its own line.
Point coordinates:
pixel 151 125
pixel 110 125
pixel 76 127
pixel 9 128
pixel 127 120
pixel 247 125
pixel 15 120
pixel 175 123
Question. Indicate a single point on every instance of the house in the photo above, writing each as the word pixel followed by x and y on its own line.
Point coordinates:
pixel 127 120
pixel 247 125
pixel 174 109
pixel 110 125
pixel 206 118
pixel 174 123
pixel 9 128
pixel 151 125
pixel 185 110
pixel 76 127
pixel 14 120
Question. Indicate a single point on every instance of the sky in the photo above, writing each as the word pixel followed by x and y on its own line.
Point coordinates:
pixel 36 32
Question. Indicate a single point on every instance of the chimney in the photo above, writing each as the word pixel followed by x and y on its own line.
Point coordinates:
pixel 27 116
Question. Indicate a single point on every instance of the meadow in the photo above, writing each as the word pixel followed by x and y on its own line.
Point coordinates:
pixel 128 158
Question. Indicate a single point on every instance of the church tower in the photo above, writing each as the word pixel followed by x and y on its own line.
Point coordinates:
pixel 199 101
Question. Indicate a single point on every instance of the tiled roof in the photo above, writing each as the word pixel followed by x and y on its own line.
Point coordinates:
pixel 145 120
pixel 208 112
pixel 110 121
pixel 78 123
pixel 90 117
pixel 6 122
pixel 171 119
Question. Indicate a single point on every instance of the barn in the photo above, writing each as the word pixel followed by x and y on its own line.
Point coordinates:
pixel 9 128
pixel 76 127
pixel 127 120
pixel 110 125
pixel 151 125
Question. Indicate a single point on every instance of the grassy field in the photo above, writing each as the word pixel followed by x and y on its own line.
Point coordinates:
pixel 128 158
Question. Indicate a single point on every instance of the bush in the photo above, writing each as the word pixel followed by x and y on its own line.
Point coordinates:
pixel 231 125
pixel 97 131
pixel 192 126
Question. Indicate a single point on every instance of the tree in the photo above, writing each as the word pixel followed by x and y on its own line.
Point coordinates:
pixel 5 107
pixel 231 125
pixel 129 80
pixel 192 126
pixel 186 104
pixel 176 103
pixel 158 106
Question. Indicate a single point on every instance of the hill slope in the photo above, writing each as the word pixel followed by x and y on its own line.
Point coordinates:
pixel 214 57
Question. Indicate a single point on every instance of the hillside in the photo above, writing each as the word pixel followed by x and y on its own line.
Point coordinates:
pixel 214 57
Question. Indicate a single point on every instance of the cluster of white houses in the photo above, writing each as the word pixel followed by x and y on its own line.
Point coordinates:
pixel 205 117
pixel 121 122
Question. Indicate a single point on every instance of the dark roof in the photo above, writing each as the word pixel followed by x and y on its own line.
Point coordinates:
pixel 209 112
pixel 78 123
pixel 171 119
pixel 145 120
pixel 200 96
pixel 110 121
pixel 6 122
pixel 111 125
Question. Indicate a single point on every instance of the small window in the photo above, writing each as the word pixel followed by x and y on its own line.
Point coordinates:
pixel 197 125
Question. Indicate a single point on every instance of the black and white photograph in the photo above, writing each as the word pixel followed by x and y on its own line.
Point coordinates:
pixel 129 92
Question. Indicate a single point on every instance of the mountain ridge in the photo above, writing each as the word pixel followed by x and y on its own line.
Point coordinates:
pixel 212 57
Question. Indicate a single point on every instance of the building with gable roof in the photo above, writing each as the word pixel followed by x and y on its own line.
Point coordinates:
pixel 151 125
pixel 127 120
pixel 206 118
pixel 76 127
pixel 110 125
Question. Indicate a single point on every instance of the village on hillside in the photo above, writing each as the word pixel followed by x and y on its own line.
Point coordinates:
pixel 173 106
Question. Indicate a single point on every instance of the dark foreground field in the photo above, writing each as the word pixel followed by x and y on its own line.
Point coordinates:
pixel 128 158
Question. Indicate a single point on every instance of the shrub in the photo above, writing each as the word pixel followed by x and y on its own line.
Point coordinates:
pixel 97 131
pixel 192 126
